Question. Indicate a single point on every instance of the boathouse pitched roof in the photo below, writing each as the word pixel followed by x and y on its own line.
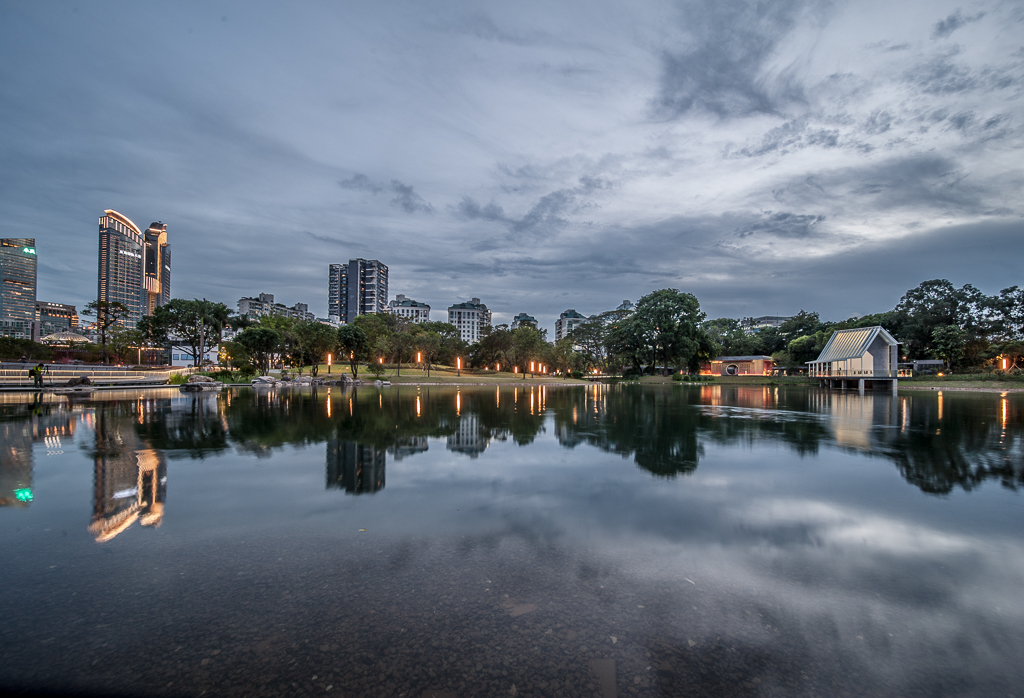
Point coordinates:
pixel 851 344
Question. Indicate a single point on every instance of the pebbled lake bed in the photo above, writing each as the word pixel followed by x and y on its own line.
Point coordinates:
pixel 597 541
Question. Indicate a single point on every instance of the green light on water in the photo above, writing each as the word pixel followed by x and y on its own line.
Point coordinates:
pixel 23 495
pixel 28 250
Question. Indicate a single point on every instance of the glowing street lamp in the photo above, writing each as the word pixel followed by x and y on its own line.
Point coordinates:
pixel 458 364
pixel 328 363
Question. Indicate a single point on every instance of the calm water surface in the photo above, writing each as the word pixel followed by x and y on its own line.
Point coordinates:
pixel 601 541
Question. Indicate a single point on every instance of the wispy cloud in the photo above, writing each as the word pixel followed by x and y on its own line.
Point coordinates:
pixel 404 196
pixel 944 27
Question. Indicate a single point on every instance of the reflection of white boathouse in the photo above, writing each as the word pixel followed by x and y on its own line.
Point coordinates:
pixel 860 357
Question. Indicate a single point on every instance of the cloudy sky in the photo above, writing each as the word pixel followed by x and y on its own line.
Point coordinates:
pixel 767 157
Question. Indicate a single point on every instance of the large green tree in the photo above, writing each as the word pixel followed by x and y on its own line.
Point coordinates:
pixel 261 344
pixel 195 323
pixel 315 340
pixel 107 314
pixel 353 345
pixel 667 328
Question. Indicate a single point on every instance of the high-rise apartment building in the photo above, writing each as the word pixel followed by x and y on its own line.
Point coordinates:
pixel 408 309
pixel 17 287
pixel 471 318
pixel 567 322
pixel 157 267
pixel 357 288
pixel 135 267
pixel 524 320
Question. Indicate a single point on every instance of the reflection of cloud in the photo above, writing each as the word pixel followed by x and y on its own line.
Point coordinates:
pixel 841 526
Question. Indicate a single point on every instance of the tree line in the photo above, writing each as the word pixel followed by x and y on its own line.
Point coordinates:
pixel 963 327
pixel 666 331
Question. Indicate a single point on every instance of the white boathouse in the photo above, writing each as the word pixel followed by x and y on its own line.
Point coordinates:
pixel 864 356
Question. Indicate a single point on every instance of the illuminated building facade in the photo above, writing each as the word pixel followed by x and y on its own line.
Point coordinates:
pixel 357 288
pixel 17 287
pixel 54 317
pixel 122 251
pixel 157 278
pixel 355 468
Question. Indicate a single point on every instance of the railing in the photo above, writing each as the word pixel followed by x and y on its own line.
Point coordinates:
pixel 57 375
pixel 844 373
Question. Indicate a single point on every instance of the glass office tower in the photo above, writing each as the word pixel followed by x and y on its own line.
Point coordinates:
pixel 17 287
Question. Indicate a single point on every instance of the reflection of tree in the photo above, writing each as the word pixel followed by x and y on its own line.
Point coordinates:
pixel 961 441
pixel 653 426
pixel 968 446
pixel 663 428
pixel 190 425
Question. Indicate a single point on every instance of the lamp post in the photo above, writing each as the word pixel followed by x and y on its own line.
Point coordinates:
pixel 458 364
pixel 328 363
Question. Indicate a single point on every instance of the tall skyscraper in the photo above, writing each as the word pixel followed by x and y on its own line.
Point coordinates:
pixel 357 288
pixel 17 287
pixel 158 267
pixel 135 267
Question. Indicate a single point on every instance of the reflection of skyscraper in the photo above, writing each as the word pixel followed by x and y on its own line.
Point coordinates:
pixel 467 438
pixel 15 464
pixel 408 446
pixel 355 468
pixel 129 481
pixel 44 423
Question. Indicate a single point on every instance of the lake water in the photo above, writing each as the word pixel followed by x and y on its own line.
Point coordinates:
pixel 514 541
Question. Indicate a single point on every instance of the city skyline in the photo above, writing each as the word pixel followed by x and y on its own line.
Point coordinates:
pixel 541 158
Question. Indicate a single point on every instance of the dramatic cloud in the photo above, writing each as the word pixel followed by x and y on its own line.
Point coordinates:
pixel 766 156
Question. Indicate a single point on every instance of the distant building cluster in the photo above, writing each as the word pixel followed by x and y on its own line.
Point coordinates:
pixel 135 271
pixel 264 304
pixel 750 325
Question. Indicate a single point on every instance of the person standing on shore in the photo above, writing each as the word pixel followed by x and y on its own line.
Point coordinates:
pixel 39 376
